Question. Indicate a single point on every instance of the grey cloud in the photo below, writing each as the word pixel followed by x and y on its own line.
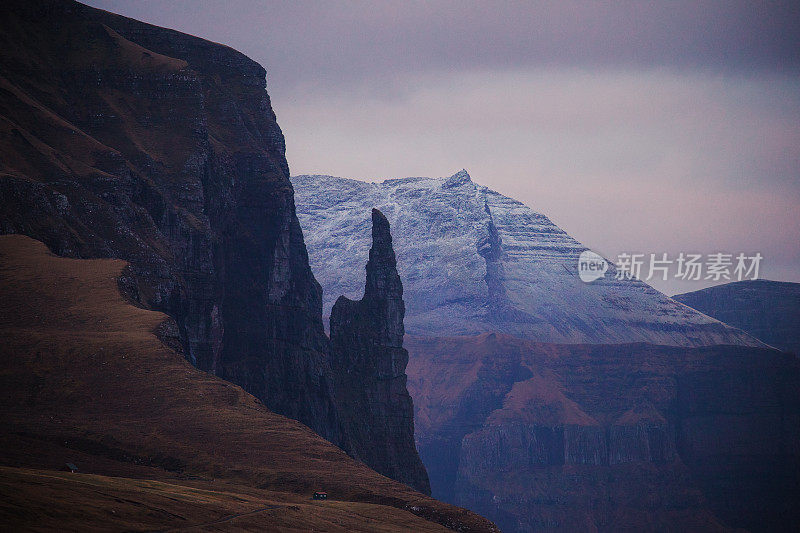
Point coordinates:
pixel 637 126
pixel 332 43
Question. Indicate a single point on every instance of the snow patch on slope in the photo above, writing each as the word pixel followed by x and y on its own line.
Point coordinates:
pixel 473 260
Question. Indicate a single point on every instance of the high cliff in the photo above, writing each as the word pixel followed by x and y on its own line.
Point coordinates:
pixel 125 140
pixel 767 310
pixel 369 363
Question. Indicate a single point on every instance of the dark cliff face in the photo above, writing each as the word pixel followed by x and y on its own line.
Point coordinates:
pixel 607 438
pixel 126 140
pixel 369 363
pixel 767 310
pixel 121 139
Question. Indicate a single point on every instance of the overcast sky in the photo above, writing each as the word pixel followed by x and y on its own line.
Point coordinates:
pixel 636 126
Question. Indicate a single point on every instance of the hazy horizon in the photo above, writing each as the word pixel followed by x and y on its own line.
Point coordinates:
pixel 636 127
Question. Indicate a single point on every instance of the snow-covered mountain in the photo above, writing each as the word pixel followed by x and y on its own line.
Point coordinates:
pixel 473 260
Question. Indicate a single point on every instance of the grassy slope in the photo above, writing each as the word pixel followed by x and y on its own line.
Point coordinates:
pixel 85 380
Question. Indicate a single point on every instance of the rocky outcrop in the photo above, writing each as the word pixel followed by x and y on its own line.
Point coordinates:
pixel 369 363
pixel 767 310
pixel 121 139
pixel 475 261
pixel 607 438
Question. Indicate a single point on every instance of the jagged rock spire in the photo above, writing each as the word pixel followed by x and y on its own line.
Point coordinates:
pixel 369 362
pixel 383 281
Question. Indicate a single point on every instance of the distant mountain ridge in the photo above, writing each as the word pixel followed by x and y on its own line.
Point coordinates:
pixel 473 261
pixel 767 310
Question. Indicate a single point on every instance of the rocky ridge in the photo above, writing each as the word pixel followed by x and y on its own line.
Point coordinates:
pixel 609 437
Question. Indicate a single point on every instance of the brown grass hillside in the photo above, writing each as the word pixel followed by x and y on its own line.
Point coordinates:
pixel 159 444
